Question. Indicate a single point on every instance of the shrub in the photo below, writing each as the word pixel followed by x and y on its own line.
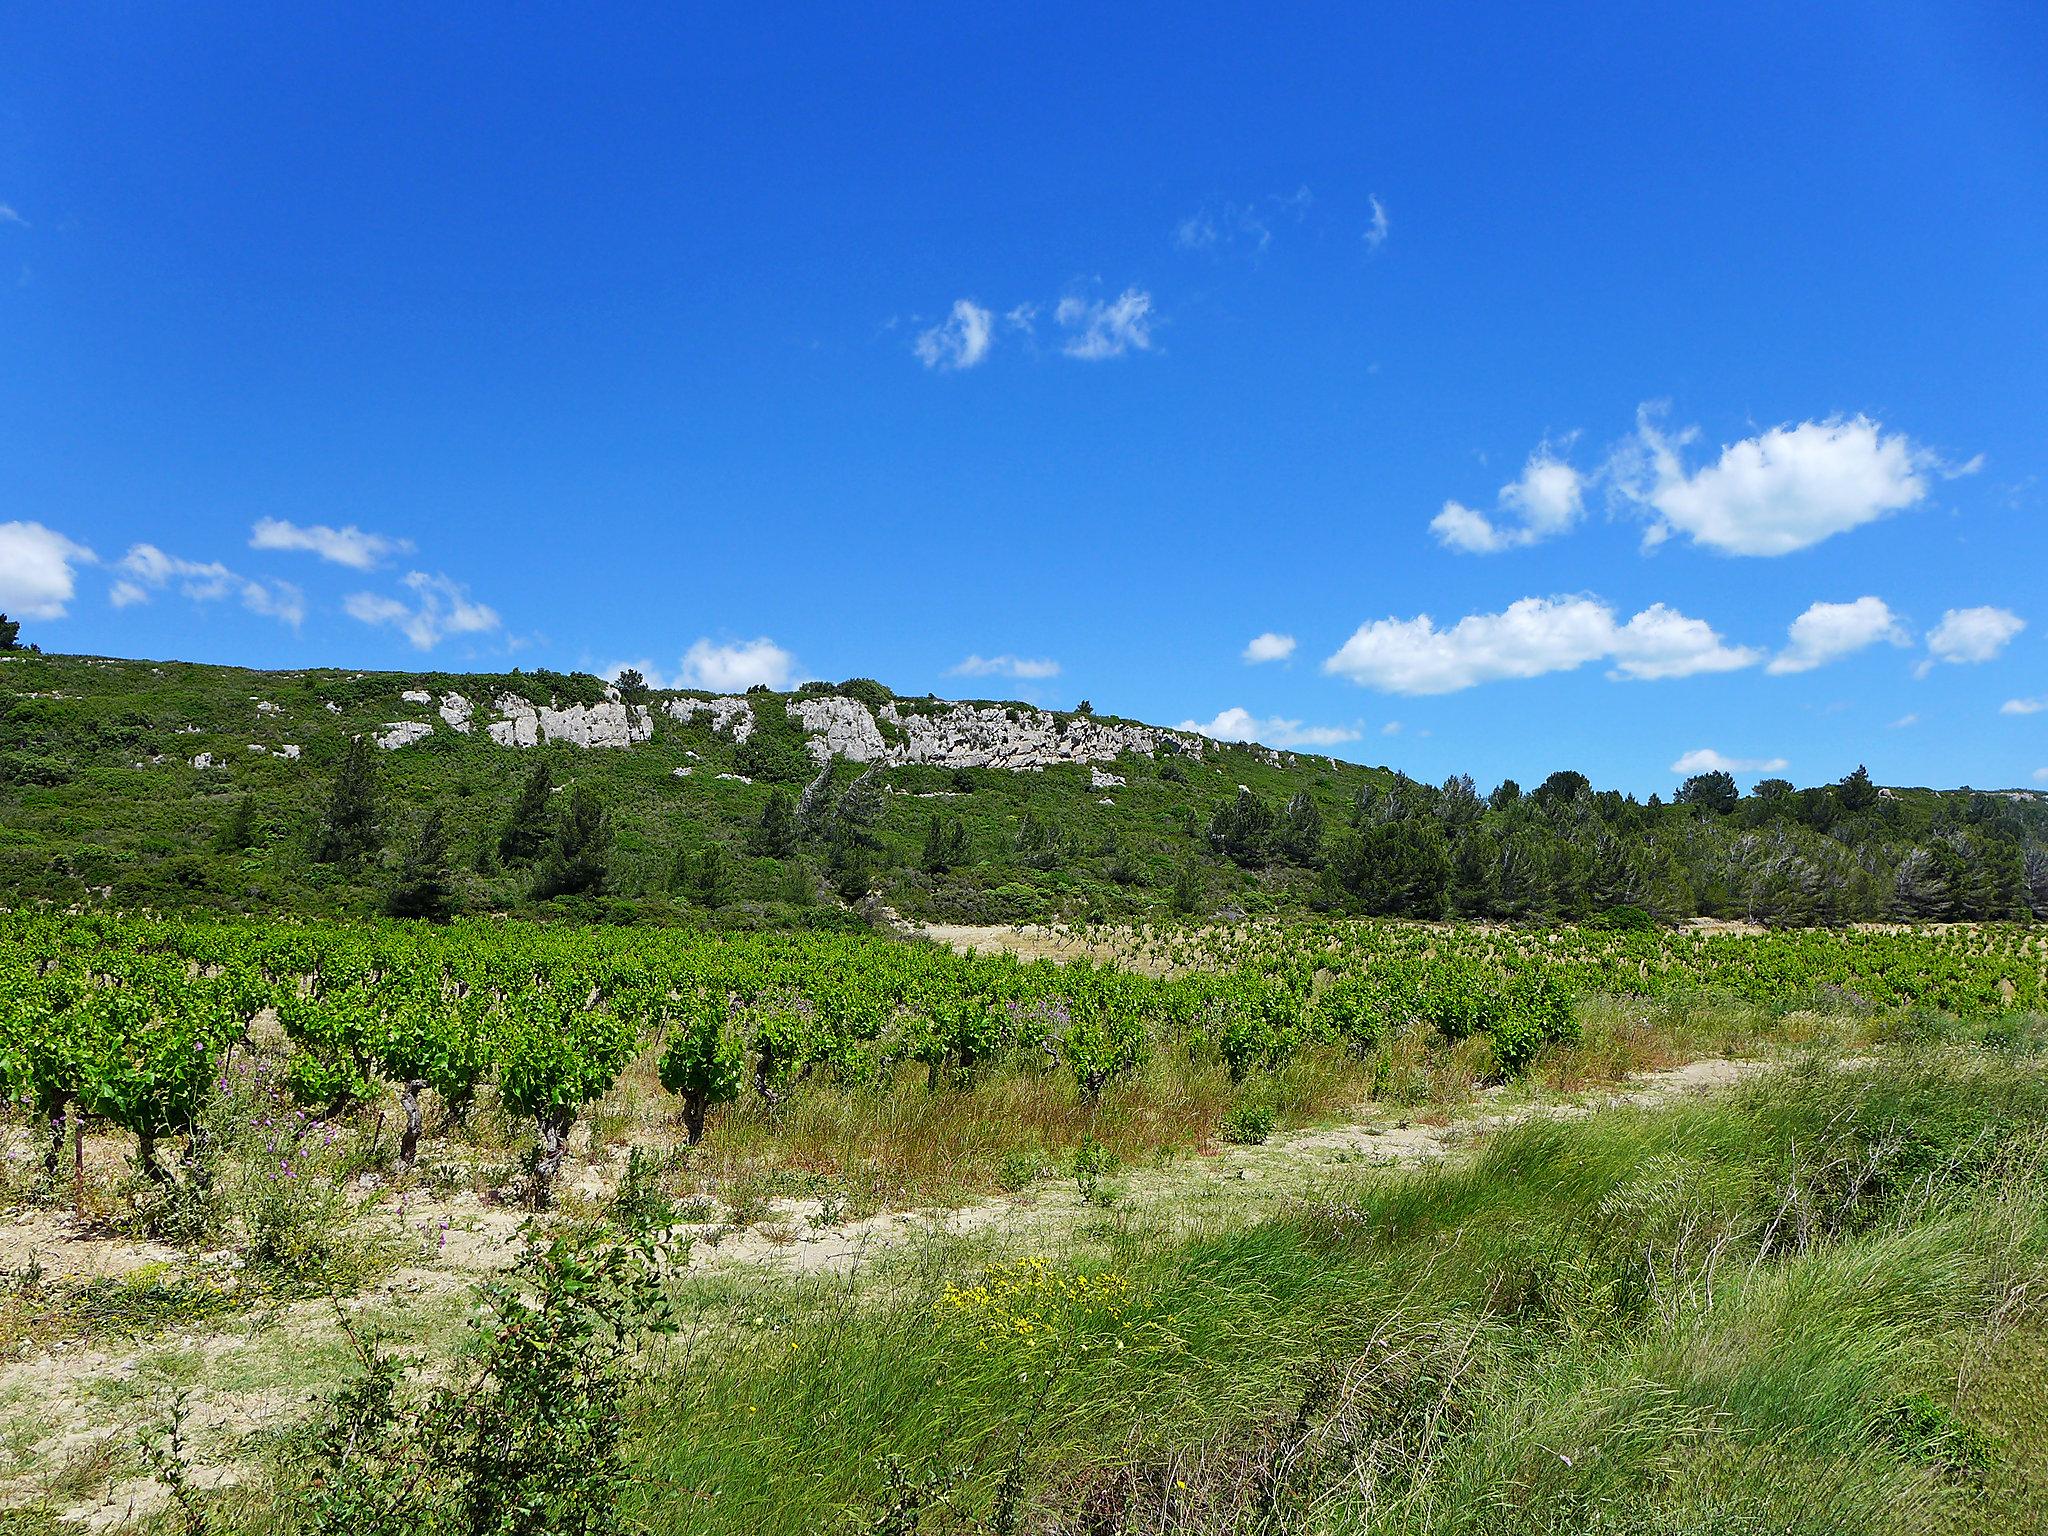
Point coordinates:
pixel 1248 1125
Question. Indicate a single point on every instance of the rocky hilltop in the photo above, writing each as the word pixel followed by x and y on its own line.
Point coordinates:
pixel 898 734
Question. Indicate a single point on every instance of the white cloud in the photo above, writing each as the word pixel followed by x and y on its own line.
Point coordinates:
pixel 147 568
pixel 1022 317
pixel 349 546
pixel 1783 490
pixel 1376 232
pixel 1269 647
pixel 278 600
pixel 442 607
pixel 1828 631
pixel 1707 760
pixel 36 575
pixel 652 674
pixel 2024 706
pixel 2041 775
pixel 1243 725
pixel 959 341
pixel 1534 636
pixel 738 666
pixel 1023 668
pixel 1967 635
pixel 1106 328
pixel 1545 500
pixel 9 216
pixel 1902 722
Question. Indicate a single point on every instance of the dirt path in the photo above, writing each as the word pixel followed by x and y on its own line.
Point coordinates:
pixel 69 1416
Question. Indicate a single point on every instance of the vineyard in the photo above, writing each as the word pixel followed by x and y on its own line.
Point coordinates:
pixel 132 1021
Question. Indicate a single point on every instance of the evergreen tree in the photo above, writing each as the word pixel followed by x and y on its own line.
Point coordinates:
pixel 632 685
pixel 424 888
pixel 774 836
pixel 1396 868
pixel 527 830
pixel 10 633
pixel 578 859
pixel 348 830
pixel 2034 870
pixel 1713 792
pixel 710 877
pixel 1299 838
pixel 1243 830
pixel 945 844
pixel 1856 792
pixel 238 832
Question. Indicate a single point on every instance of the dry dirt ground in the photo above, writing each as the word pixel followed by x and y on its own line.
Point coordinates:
pixel 70 1415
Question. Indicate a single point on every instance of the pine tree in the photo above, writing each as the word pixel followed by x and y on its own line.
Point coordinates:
pixel 348 831
pixel 424 888
pixel 10 633
pixel 578 860
pixel 710 878
pixel 945 844
pixel 775 835
pixel 239 830
pixel 1299 839
pixel 1855 790
pixel 527 829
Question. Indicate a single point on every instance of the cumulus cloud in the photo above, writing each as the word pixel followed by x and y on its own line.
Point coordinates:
pixel 1023 668
pixel 1376 231
pixel 1099 328
pixel 961 340
pixel 440 607
pixel 737 666
pixel 1243 725
pixel 1707 760
pixel 349 546
pixel 1269 647
pixel 278 600
pixel 1829 631
pixel 1544 500
pixel 37 578
pixel 1532 637
pixel 1967 635
pixel 1782 490
pixel 2024 706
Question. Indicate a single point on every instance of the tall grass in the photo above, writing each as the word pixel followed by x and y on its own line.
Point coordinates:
pixel 1700 1318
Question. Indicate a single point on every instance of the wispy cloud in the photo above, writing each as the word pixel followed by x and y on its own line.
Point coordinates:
pixel 9 216
pixel 1238 724
pixel 1098 329
pixel 1707 760
pixel 349 546
pixel 146 570
pixel 440 607
pixel 961 340
pixel 1022 668
pixel 1376 231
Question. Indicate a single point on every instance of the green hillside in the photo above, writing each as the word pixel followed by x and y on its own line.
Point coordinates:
pixel 100 799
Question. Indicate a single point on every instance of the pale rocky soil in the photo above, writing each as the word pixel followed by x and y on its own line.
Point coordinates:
pixel 70 1415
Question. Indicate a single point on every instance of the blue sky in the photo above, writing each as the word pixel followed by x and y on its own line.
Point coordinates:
pixel 1595 392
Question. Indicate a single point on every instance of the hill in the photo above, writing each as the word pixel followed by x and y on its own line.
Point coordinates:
pixel 177 784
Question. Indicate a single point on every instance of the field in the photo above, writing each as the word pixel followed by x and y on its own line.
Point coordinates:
pixel 1302 1226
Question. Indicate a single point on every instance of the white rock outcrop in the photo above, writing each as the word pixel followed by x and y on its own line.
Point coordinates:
pixel 839 727
pixel 609 724
pixel 973 735
pixel 203 761
pixel 731 714
pixel 402 733
pixel 1097 779
pixel 456 710
pixel 417 696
